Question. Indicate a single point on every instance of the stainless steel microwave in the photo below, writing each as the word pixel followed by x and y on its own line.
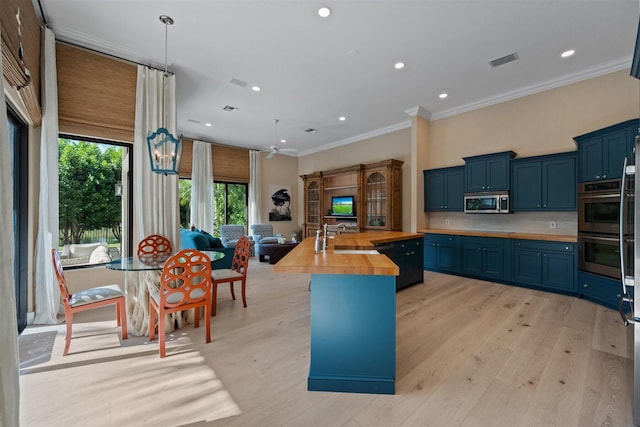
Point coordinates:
pixel 495 202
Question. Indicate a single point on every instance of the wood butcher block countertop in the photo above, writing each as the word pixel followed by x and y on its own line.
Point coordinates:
pixel 303 258
pixel 505 235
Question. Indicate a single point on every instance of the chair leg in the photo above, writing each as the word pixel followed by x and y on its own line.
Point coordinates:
pixel 152 320
pixel 233 294
pixel 196 317
pixel 161 333
pixel 121 309
pixel 207 323
pixel 69 319
pixel 244 296
pixel 214 298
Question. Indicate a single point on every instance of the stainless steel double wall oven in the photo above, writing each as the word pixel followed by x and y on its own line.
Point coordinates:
pixel 599 220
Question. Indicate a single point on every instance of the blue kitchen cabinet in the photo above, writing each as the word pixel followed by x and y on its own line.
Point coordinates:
pixel 408 255
pixel 486 257
pixel 550 265
pixel 489 172
pixel 544 183
pixel 441 253
pixel 601 153
pixel 600 289
pixel 444 189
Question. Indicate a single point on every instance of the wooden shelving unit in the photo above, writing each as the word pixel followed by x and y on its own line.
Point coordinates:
pixel 377 192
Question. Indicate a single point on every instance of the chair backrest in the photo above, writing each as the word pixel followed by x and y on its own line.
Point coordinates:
pixel 154 244
pixel 241 255
pixel 185 279
pixel 62 282
pixel 262 230
pixel 231 232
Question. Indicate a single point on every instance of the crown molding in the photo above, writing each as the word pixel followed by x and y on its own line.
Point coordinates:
pixel 363 136
pixel 419 111
pixel 599 70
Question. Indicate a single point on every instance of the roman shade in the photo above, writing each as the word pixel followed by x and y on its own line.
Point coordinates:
pixel 27 85
pixel 96 94
pixel 230 164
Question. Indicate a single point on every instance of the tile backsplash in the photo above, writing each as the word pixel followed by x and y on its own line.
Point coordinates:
pixel 566 223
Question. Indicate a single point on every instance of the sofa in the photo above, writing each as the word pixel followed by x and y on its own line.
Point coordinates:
pixel 204 241
pixel 231 233
pixel 84 253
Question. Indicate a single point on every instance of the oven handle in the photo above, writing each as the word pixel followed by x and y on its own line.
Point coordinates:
pixel 602 239
pixel 589 196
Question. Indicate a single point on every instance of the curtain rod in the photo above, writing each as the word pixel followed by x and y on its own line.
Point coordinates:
pixel 44 22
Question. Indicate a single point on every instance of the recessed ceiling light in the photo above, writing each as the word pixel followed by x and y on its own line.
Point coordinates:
pixel 255 88
pixel 208 125
pixel 443 95
pixel 342 118
pixel 567 53
pixel 324 12
pixel 398 65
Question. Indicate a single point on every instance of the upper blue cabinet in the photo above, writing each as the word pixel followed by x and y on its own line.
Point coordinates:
pixel 489 172
pixel 601 153
pixel 443 189
pixel 544 183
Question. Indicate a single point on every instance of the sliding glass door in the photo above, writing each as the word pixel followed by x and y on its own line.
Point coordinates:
pixel 18 140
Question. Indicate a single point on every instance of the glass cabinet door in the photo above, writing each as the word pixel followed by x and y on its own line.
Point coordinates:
pixel 313 203
pixel 376 197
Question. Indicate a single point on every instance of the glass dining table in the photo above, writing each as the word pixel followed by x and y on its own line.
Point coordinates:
pixel 142 274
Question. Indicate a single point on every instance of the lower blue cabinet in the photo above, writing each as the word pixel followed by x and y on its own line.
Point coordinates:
pixel 596 288
pixel 441 253
pixel 546 265
pixel 486 257
pixel 551 265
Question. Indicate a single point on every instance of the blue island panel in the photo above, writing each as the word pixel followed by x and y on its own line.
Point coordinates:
pixel 353 333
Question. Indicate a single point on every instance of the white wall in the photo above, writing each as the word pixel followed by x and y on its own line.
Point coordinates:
pixel 282 171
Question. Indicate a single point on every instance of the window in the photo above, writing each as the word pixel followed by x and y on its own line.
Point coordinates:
pixel 229 204
pixel 94 207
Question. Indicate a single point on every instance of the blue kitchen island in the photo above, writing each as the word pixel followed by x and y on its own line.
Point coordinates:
pixel 353 312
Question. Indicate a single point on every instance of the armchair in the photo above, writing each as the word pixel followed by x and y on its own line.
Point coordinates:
pixel 263 233
pixel 231 233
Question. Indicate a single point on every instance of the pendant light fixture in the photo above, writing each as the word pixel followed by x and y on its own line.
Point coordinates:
pixel 165 150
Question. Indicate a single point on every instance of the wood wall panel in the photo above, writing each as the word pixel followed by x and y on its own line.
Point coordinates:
pixel 96 94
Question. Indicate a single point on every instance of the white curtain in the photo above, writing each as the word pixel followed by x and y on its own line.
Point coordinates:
pixel 202 187
pixel 156 206
pixel 9 382
pixel 47 293
pixel 255 189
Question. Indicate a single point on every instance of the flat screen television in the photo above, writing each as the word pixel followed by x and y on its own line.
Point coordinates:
pixel 342 206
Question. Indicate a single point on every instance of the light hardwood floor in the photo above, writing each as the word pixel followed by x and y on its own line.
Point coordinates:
pixel 469 353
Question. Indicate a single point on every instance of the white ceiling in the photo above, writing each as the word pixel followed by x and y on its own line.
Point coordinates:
pixel 313 70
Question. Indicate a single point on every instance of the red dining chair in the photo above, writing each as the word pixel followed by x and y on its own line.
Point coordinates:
pixel 238 271
pixel 154 244
pixel 185 283
pixel 88 299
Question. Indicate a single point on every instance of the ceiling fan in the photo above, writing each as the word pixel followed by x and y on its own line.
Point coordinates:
pixel 274 149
